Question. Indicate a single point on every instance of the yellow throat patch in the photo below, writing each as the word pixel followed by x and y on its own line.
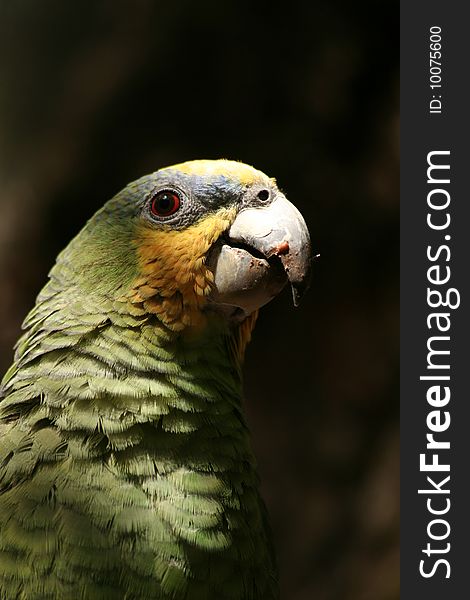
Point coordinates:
pixel 174 281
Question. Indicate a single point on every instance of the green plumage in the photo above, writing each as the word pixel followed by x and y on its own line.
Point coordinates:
pixel 125 465
pixel 124 468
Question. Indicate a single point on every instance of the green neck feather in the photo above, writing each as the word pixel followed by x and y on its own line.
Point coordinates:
pixel 137 448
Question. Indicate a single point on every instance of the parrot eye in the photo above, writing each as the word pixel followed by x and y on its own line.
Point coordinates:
pixel 263 195
pixel 165 204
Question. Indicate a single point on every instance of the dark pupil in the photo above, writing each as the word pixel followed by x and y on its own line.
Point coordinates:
pixel 263 195
pixel 165 203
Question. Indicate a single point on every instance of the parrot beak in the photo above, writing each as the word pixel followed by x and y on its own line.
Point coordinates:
pixel 264 248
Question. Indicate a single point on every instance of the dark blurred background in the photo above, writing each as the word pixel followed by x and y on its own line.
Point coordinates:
pixel 96 94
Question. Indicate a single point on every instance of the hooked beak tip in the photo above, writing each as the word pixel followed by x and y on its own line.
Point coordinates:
pixel 299 288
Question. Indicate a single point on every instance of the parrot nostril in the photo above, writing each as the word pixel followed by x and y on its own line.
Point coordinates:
pixel 263 195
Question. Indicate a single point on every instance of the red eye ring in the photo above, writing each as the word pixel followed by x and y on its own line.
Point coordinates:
pixel 165 203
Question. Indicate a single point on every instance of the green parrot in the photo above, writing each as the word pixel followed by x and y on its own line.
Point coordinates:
pixel 126 470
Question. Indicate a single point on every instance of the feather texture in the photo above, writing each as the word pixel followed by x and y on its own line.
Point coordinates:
pixel 125 464
pixel 126 470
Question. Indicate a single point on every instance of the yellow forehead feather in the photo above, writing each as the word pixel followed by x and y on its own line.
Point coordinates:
pixel 231 169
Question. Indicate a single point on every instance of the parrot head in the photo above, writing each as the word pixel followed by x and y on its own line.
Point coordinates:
pixel 199 238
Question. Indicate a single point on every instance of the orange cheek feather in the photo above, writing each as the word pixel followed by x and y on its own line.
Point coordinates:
pixel 174 282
